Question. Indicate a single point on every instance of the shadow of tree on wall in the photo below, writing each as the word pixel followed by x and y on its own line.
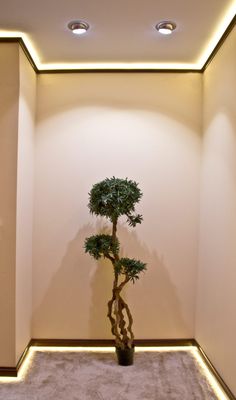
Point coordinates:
pixel 75 303
pixel 63 312
pixel 153 299
pixel 101 291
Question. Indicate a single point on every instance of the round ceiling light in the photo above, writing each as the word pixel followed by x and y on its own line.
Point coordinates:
pixel 78 27
pixel 166 27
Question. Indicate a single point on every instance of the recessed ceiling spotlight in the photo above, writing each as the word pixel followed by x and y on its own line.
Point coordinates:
pixel 78 27
pixel 166 27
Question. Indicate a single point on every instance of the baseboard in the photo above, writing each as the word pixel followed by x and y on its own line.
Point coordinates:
pixel 215 372
pixel 22 357
pixel 110 342
pixel 72 342
pixel 12 371
pixel 8 371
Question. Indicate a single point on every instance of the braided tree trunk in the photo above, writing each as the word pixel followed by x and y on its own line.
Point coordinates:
pixel 118 311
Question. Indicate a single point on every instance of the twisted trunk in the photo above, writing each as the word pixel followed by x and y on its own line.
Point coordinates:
pixel 118 311
pixel 121 320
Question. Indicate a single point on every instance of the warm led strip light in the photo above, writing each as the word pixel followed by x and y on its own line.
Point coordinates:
pixel 192 349
pixel 27 42
pixel 117 65
pixel 198 65
pixel 221 28
pixel 210 377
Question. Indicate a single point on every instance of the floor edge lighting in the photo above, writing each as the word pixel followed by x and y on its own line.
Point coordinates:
pixel 193 350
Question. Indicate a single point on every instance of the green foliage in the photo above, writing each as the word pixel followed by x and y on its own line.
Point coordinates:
pixel 134 219
pixel 130 267
pixel 114 197
pixel 101 245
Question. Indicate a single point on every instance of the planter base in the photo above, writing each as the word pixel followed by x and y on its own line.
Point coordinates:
pixel 125 357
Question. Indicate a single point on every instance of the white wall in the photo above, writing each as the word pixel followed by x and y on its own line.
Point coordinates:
pixel 90 126
pixel 25 163
pixel 216 316
pixel 9 97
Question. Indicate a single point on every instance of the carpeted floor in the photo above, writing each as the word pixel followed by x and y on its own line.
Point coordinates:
pixel 91 375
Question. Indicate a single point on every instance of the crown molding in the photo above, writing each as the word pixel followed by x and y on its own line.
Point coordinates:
pixel 184 69
pixel 220 43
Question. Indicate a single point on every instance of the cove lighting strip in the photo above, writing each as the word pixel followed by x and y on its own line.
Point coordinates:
pixel 221 28
pixel 25 367
pixel 198 65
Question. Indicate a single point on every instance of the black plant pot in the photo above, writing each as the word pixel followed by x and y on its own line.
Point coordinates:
pixel 125 356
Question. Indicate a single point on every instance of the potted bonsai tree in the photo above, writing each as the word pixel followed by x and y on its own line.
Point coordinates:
pixel 113 198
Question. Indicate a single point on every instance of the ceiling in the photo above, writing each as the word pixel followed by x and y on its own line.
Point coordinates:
pixel 122 33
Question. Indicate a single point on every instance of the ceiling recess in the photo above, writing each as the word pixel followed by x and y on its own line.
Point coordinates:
pixel 78 27
pixel 166 27
pixel 123 42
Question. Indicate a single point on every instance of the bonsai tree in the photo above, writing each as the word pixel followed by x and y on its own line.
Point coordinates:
pixel 113 198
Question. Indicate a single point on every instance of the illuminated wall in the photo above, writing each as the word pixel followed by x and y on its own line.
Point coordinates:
pixel 142 126
pixel 216 317
pixel 9 100
pixel 147 127
pixel 25 172
pixel 17 98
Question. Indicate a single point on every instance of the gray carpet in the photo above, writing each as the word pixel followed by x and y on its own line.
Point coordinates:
pixel 96 376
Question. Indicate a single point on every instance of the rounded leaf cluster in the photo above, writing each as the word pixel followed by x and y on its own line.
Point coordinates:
pixel 114 197
pixel 130 267
pixel 101 245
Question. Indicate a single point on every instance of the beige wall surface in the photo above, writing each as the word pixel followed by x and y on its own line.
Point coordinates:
pixel 90 126
pixel 216 316
pixel 146 127
pixel 9 96
pixel 25 164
